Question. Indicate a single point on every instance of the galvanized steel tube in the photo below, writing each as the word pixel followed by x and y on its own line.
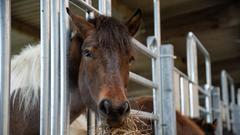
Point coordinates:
pixel 5 29
pixel 85 5
pixel 55 70
pixel 45 68
pixel 157 93
pixel 192 44
pixel 105 7
pixel 64 88
pixel 144 115
pixel 141 80
pixel 167 88
pixel 226 79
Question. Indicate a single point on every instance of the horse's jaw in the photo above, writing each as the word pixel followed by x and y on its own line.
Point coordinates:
pixel 77 107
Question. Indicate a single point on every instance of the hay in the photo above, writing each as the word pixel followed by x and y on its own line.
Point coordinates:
pixel 132 126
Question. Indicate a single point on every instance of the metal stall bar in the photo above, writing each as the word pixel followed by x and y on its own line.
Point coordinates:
pixel 55 71
pixel 144 115
pixel 86 5
pixel 143 49
pixel 226 79
pixel 45 68
pixel 216 107
pixel 156 75
pixel 91 117
pixel 64 88
pixel 105 6
pixel 192 44
pixel 5 29
pixel 141 80
pixel 168 112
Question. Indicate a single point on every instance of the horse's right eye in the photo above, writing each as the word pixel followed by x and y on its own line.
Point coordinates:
pixel 87 53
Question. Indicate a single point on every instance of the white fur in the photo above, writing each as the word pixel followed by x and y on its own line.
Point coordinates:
pixel 25 81
pixel 79 126
pixel 25 76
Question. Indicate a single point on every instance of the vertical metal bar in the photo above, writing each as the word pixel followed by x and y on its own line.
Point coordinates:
pixel 91 125
pixel 177 93
pixel 55 71
pixel 105 7
pixel 208 103
pixel 236 119
pixel 238 96
pixel 157 93
pixel 192 68
pixel 45 68
pixel 224 85
pixel 182 96
pixel 64 88
pixel 5 29
pixel 193 74
pixel 88 14
pixel 232 88
pixel 216 105
pixel 169 113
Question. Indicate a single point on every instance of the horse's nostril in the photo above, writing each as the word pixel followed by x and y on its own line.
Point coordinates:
pixel 105 106
pixel 125 108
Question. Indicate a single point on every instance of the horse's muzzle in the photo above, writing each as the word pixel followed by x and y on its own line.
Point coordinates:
pixel 114 115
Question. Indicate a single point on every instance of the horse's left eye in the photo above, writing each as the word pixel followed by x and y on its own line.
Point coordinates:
pixel 87 53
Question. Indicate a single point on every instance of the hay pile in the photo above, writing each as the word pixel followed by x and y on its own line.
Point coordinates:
pixel 132 126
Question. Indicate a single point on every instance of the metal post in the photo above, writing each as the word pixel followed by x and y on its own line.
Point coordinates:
pixel 5 29
pixel 216 105
pixel 105 7
pixel 45 68
pixel 225 95
pixel 169 111
pixel 64 88
pixel 157 93
pixel 236 119
pixel 55 71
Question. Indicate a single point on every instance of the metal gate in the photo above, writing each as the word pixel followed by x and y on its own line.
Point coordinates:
pixel 166 82
pixel 230 105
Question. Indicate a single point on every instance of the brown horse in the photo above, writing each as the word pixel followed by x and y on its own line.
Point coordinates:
pixel 99 59
pixel 185 126
pixel 208 128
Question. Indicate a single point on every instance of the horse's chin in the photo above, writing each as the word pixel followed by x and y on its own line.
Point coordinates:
pixel 112 122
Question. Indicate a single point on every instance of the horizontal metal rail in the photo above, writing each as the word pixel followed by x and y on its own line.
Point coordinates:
pixel 203 109
pixel 201 90
pixel 143 49
pixel 190 81
pixel 141 80
pixel 84 4
pixel 144 115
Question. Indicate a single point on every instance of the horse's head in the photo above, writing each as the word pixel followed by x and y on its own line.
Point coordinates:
pixel 104 49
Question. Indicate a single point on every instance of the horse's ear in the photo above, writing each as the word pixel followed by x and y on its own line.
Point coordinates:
pixel 83 26
pixel 214 123
pixel 134 22
pixel 202 122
